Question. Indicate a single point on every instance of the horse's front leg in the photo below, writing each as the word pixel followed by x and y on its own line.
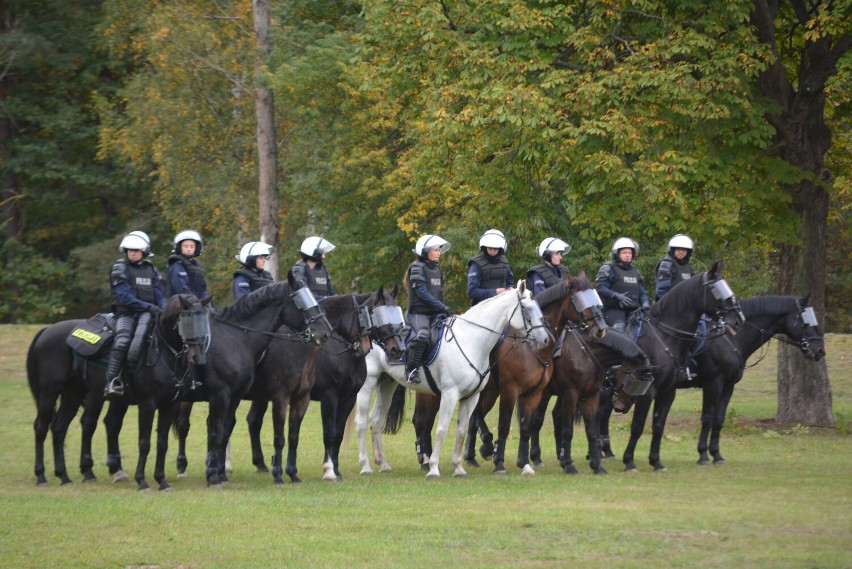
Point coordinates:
pixel 58 425
pixel 362 411
pixel 605 410
pixel 255 424
pixel 528 406
pixel 218 409
pixel 504 424
pixel 280 406
pixel 536 425
pixel 637 425
pixel 449 399
pixel 298 409
pixel 165 418
pixel 378 418
pixel 719 422
pixel 426 409
pixel 146 423
pixel 567 414
pixel 466 408
pixel 344 410
pixel 709 410
pixel 113 421
pixel 590 418
pixel 662 406
pixel 182 425
pixel 328 413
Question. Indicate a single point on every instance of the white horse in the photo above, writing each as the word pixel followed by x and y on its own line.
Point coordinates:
pixel 460 371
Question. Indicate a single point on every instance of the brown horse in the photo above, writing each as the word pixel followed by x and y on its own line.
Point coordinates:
pixel 519 373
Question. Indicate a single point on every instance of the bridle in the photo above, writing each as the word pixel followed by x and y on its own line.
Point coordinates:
pixel 365 326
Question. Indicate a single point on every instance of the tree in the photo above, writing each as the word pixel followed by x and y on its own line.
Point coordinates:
pixel 807 41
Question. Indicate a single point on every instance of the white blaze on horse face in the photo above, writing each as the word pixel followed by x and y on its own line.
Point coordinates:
pixel 532 320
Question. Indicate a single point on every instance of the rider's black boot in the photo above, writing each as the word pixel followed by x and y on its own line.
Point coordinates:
pixel 115 387
pixel 415 357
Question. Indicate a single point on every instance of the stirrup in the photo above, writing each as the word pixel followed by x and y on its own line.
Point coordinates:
pixel 114 388
pixel 413 377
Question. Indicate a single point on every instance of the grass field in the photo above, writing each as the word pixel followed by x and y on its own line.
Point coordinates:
pixel 783 500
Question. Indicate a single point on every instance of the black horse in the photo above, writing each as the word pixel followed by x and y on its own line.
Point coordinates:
pixel 720 366
pixel 55 372
pixel 333 376
pixel 665 334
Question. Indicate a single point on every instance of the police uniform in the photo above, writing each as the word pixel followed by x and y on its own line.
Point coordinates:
pixel 671 271
pixel 544 276
pixel 249 280
pixel 613 279
pixel 317 279
pixel 485 274
pixel 186 275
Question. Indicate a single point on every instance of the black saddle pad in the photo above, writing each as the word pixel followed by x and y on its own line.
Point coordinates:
pixel 92 338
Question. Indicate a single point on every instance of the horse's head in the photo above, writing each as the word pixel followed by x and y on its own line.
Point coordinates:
pixel 529 318
pixel 630 381
pixel 312 314
pixel 724 304
pixel 388 322
pixel 586 306
pixel 802 328
pixel 350 321
pixel 192 324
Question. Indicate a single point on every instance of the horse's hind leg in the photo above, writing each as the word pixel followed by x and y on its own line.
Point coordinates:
pixel 328 412
pixel 536 423
pixel 465 410
pixel 604 413
pixel 297 413
pixel 426 409
pixel 41 426
pixel 89 423
pixel 449 398
pixel 362 411
pixel 255 424
pixel 662 406
pixel 527 408
pixel 146 423
pixel 504 425
pixel 165 417
pixel 590 418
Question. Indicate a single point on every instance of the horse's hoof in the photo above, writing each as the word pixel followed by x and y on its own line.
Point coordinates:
pixel 385 468
pixel 461 474
pixel 660 468
pixel 631 469
pixel 216 486
pixel 499 472
pixel 433 476
pixel 472 462
pixel 720 462
pixel 182 475
pixel 569 470
pixel 538 463
pixel 146 490
pixel 120 476
pixel 89 480
pixel 424 467
pixel 228 466
pixel 600 470
pixel 527 470
pixel 41 483
pixel 262 469
pixel 704 463
pixel 329 476
pixel 167 488
pixel 366 471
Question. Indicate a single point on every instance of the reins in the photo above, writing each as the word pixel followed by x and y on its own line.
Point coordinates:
pixel 303 336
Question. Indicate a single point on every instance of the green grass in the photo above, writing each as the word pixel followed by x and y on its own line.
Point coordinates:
pixel 783 500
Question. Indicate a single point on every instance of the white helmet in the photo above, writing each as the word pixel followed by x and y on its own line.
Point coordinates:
pixel 552 245
pixel 493 238
pixel 624 243
pixel 315 247
pixel 428 242
pixel 189 235
pixel 681 241
pixel 253 249
pixel 136 240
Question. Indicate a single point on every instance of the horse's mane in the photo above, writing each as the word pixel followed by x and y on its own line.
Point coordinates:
pixel 558 292
pixel 769 305
pixel 680 297
pixel 622 344
pixel 246 306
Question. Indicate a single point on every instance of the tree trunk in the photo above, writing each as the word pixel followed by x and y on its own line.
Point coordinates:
pixel 802 139
pixel 266 143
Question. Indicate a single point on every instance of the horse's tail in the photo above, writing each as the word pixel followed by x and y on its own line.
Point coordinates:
pixel 393 421
pixel 31 361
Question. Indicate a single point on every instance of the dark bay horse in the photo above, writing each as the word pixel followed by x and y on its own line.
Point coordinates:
pixel 332 375
pixel 519 374
pixel 54 372
pixel 665 335
pixel 240 333
pixel 720 366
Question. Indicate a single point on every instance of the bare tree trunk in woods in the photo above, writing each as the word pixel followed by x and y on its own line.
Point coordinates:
pixel 802 139
pixel 10 203
pixel 266 144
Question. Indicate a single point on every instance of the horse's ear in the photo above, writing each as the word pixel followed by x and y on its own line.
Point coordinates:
pixel 805 300
pixel 381 292
pixel 184 301
pixel 291 281
pixel 207 301
pixel 522 286
pixel 716 269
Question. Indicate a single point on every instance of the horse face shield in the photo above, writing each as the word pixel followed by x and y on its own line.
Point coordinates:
pixel 389 325
pixel 194 330
pixel 313 313
pixel 588 305
pixel 534 323
pixel 732 316
pixel 812 343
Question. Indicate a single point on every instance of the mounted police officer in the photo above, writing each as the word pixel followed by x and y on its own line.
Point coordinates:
pixel 551 271
pixel 425 283
pixel 619 284
pixel 137 298
pixel 674 267
pixel 489 273
pixel 253 274
pixel 186 275
pixel 311 270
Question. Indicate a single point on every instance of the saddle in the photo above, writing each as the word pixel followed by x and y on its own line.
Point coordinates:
pixel 437 334
pixel 93 339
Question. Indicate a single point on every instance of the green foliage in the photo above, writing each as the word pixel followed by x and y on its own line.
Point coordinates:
pixel 36 287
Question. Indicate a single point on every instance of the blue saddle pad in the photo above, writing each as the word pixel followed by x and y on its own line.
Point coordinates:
pixel 437 336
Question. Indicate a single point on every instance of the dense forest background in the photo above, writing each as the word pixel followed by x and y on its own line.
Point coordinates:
pixel 728 121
